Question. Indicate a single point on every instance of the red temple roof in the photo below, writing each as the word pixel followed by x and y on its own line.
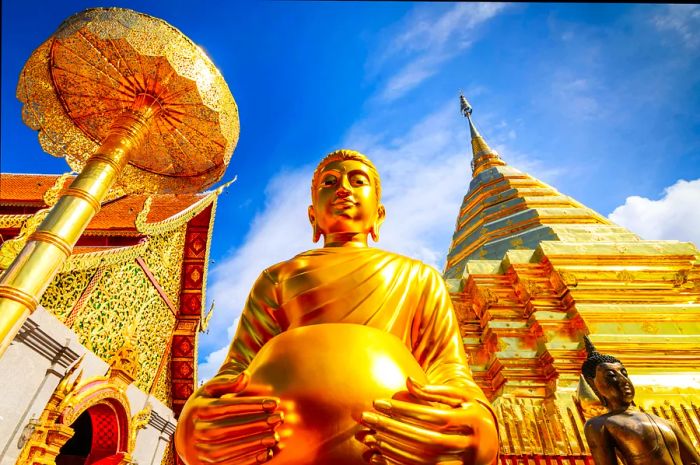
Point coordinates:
pixel 23 194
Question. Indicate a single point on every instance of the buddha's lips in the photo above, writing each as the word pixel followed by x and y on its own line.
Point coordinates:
pixel 344 203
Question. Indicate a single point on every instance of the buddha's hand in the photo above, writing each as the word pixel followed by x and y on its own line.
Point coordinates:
pixel 431 424
pixel 219 425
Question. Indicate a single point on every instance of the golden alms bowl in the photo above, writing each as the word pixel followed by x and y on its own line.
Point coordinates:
pixel 326 375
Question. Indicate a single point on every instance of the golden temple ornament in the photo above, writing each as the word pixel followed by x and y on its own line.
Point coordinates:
pixel 131 103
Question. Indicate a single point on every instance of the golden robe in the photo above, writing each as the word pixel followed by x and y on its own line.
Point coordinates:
pixel 362 286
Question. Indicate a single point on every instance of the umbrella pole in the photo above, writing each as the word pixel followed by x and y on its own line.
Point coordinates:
pixel 46 250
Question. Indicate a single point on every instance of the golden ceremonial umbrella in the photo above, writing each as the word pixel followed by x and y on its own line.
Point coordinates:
pixel 127 99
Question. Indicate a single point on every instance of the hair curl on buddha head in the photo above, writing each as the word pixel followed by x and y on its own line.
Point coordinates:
pixel 594 359
pixel 345 154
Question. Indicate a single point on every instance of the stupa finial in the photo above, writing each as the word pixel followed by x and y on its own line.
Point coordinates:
pixel 483 156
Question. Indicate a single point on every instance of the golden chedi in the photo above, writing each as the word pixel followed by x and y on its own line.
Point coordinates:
pixel 344 354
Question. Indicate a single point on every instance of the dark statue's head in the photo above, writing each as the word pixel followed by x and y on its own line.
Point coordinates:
pixel 607 377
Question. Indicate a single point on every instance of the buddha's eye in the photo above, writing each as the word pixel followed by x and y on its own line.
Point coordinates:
pixel 359 180
pixel 329 181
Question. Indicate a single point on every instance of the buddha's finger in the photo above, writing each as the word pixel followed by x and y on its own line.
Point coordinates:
pixel 227 450
pixel 226 384
pixel 381 442
pixel 433 450
pixel 230 405
pixel 419 414
pixel 427 416
pixel 213 431
pixel 251 459
pixel 449 395
pixel 405 457
pixel 379 459
pixel 422 437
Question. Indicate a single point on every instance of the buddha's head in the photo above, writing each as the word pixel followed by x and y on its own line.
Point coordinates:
pixel 607 377
pixel 345 198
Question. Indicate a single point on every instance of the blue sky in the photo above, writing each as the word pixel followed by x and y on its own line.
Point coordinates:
pixel 599 101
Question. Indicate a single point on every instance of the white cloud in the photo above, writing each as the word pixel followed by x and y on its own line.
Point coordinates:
pixel 683 20
pixel 411 76
pixel 424 31
pixel 674 216
pixel 427 40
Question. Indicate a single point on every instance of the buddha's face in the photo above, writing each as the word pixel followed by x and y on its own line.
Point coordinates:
pixel 345 199
pixel 612 383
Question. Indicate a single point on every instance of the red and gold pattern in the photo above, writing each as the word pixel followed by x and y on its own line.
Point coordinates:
pixel 194 264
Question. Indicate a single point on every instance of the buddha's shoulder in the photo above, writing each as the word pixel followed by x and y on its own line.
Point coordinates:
pixel 323 257
pixel 595 426
pixel 612 422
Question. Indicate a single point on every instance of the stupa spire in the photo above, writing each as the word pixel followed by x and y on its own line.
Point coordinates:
pixel 483 156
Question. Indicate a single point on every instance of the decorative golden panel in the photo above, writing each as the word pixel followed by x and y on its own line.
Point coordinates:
pixel 529 426
pixel 162 390
pixel 113 256
pixel 164 259
pixel 65 291
pixel 123 295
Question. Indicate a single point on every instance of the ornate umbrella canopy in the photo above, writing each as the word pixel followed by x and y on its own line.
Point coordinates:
pixel 91 71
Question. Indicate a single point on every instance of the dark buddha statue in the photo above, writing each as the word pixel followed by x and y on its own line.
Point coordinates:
pixel 636 437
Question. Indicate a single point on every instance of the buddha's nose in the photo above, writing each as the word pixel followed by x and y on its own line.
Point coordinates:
pixel 343 188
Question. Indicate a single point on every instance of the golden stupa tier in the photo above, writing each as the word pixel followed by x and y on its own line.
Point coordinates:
pixel 525 315
pixel 530 272
pixel 506 209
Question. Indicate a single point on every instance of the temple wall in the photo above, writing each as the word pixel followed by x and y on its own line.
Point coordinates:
pixel 30 371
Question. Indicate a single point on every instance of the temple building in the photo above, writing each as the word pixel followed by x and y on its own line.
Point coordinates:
pixel 99 373
pixel 531 271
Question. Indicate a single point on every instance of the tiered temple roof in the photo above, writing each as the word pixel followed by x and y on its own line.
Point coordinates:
pixel 141 264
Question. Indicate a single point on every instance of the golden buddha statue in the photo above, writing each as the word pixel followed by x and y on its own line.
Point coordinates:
pixel 343 355
pixel 639 438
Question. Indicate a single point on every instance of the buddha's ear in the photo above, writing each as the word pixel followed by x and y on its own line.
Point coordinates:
pixel 381 215
pixel 312 219
pixel 591 383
